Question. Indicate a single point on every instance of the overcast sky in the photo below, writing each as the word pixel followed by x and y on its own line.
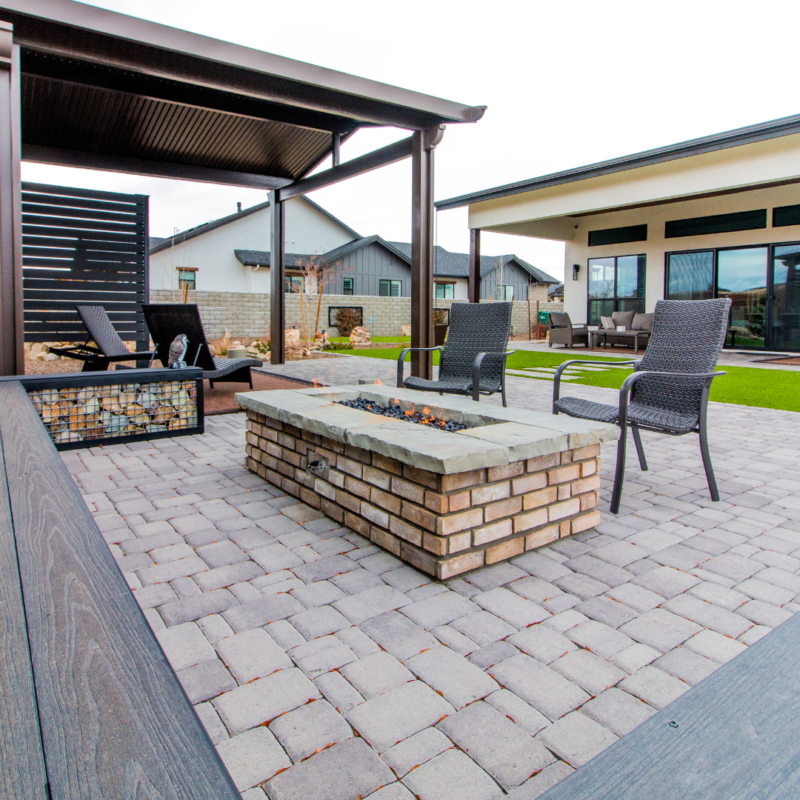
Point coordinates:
pixel 566 83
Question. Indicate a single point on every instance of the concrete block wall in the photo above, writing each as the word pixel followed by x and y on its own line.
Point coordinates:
pixel 245 314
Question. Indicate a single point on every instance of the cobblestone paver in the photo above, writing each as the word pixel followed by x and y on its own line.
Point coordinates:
pixel 326 669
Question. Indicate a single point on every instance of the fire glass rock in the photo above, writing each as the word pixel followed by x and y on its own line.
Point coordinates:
pixel 409 416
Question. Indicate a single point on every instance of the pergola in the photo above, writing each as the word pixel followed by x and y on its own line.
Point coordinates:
pixel 84 87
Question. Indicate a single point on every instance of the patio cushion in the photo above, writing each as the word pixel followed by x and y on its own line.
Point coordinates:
pixel 623 319
pixel 642 322
pixel 558 319
pixel 608 324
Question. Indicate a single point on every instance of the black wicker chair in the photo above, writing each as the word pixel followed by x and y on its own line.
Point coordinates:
pixel 110 347
pixel 473 359
pixel 166 321
pixel 668 390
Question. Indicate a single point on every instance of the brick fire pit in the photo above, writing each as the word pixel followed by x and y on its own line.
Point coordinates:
pixel 444 502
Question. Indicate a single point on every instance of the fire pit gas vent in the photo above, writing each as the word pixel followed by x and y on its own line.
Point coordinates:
pixel 396 412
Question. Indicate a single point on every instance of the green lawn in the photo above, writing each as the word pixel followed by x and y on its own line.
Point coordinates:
pixel 746 386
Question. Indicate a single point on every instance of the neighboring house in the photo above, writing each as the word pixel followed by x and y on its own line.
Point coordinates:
pixel 231 255
pixel 206 258
pixel 713 217
pixel 555 294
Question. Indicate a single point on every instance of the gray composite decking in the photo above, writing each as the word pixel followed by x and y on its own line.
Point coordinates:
pixel 91 707
pixel 734 736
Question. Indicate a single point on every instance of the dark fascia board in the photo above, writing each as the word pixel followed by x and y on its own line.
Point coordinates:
pixel 707 144
pixel 345 249
pixel 124 41
pixel 191 233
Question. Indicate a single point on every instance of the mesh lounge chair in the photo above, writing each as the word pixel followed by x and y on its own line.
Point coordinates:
pixel 561 331
pixel 110 347
pixel 668 391
pixel 473 359
pixel 168 321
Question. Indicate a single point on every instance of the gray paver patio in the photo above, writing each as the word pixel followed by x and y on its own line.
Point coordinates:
pixel 322 667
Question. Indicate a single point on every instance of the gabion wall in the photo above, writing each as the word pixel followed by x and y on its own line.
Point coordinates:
pixel 116 411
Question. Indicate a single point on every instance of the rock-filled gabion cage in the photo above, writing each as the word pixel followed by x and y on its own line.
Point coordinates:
pixel 117 410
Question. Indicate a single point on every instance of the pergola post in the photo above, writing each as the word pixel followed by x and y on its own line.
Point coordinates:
pixel 12 351
pixel 474 281
pixel 422 235
pixel 277 273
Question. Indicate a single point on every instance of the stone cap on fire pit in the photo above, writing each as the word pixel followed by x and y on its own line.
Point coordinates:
pixel 496 436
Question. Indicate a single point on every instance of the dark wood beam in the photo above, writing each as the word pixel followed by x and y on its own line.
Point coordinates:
pixel 422 235
pixel 277 275
pixel 335 154
pixel 12 355
pixel 474 281
pixel 357 166
pixel 158 169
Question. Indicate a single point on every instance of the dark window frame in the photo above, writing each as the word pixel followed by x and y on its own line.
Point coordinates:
pixel 444 284
pixel 779 213
pixel 391 282
pixel 615 299
pixel 191 271
pixel 348 287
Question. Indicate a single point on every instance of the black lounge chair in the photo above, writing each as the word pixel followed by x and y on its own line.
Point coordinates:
pixel 473 359
pixel 110 347
pixel 561 330
pixel 668 391
pixel 166 321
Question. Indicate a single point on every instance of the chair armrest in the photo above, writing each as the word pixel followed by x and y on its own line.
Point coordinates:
pixel 557 378
pixel 476 370
pixel 625 390
pixel 402 357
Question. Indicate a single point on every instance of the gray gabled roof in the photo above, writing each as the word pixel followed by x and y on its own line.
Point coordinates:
pixel 261 258
pixel 784 126
pixel 155 241
pixel 345 249
pixel 456 265
pixel 207 227
pixel 556 291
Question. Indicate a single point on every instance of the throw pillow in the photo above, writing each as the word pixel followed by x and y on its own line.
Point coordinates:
pixel 608 324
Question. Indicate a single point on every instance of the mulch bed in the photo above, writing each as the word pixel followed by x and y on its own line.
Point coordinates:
pixel 220 399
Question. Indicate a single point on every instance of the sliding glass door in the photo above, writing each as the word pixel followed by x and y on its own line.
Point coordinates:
pixel 785 316
pixel 742 276
pixel 763 284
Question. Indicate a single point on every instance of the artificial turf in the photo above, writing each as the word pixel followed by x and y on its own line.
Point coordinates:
pixel 746 386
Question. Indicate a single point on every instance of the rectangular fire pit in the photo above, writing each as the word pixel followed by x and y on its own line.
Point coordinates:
pixel 444 502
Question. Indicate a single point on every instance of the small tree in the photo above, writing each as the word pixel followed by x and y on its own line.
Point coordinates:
pixel 315 277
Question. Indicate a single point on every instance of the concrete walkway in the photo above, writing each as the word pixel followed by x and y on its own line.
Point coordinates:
pixel 324 668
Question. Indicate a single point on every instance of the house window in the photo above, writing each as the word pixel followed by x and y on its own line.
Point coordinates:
pixel 631 233
pixel 347 286
pixel 293 283
pixel 718 223
pixel 188 278
pixel 616 284
pixel 445 291
pixel 507 294
pixel 390 288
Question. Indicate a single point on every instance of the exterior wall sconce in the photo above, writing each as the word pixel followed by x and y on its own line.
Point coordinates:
pixel 576 269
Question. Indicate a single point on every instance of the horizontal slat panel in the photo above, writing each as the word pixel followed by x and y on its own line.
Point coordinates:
pixel 44 284
pixel 81 277
pixel 88 247
pixel 76 255
pixel 79 202
pixel 79 224
pixel 95 194
pixel 37 210
pixel 85 236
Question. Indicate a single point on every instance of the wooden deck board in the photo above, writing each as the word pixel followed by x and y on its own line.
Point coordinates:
pixel 115 721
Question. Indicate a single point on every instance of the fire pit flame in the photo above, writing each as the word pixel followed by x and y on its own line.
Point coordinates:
pixel 409 415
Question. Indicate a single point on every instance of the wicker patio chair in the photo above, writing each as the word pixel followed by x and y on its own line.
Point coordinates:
pixel 110 347
pixel 166 321
pixel 473 359
pixel 561 331
pixel 668 390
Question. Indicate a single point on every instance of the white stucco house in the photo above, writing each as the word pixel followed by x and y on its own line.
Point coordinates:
pixel 712 217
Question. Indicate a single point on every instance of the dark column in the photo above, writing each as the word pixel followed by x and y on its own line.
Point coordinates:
pixel 474 284
pixel 277 317
pixel 12 354
pixel 335 152
pixel 422 148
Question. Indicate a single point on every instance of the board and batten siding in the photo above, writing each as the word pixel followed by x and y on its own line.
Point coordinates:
pixel 367 266
pixel 510 274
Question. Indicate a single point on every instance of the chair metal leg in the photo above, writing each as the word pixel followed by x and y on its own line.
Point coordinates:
pixel 712 481
pixel 619 475
pixel 637 438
